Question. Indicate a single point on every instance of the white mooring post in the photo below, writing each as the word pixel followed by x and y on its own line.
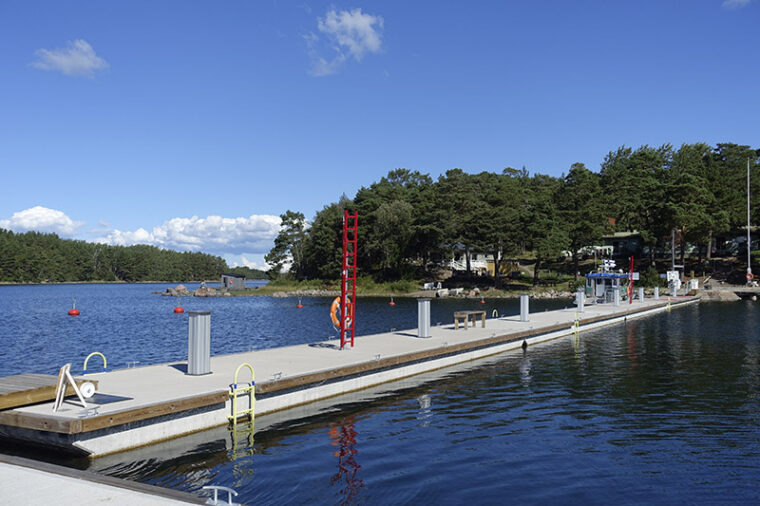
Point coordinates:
pixel 423 317
pixel 616 296
pixel 199 343
pixel 524 309
pixel 580 298
pixel 641 294
pixel 656 293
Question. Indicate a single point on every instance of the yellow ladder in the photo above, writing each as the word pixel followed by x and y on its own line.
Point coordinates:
pixel 236 389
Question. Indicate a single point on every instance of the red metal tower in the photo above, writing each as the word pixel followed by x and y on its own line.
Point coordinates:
pixel 348 279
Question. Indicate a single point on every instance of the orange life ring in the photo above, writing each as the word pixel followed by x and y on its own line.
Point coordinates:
pixel 750 276
pixel 335 312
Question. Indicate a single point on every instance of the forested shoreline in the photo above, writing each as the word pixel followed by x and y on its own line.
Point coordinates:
pixel 408 222
pixel 34 257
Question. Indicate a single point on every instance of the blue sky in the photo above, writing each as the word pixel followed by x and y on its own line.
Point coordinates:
pixel 193 125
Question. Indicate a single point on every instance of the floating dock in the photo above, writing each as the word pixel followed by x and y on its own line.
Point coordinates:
pixel 144 405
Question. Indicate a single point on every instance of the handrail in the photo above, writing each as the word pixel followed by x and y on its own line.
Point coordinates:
pixel 216 489
pixel 250 368
pixel 105 364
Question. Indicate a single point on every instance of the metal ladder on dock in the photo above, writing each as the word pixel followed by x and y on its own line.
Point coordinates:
pixel 236 390
pixel 348 279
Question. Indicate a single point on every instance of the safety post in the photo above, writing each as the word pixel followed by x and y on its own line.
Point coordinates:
pixel 348 279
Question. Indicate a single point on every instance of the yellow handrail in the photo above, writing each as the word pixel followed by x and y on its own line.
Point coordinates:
pixel 105 364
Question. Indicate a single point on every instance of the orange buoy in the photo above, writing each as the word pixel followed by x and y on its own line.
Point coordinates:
pixel 391 303
pixel 73 311
pixel 482 300
pixel 299 305
pixel 179 309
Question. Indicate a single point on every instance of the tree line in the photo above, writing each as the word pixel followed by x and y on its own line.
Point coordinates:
pixel 408 221
pixel 34 257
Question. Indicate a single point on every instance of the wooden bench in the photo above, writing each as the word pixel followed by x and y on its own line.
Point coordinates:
pixel 465 315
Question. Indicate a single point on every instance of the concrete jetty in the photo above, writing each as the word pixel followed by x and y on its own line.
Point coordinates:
pixel 144 405
pixel 32 482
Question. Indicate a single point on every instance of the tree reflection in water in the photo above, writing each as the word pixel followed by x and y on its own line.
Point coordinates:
pixel 343 435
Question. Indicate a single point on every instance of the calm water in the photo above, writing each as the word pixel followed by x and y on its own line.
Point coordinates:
pixel 128 323
pixel 658 411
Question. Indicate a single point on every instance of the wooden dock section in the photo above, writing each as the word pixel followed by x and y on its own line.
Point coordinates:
pixel 25 389
pixel 144 405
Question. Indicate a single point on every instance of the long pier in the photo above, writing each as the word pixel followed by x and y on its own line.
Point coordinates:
pixel 144 405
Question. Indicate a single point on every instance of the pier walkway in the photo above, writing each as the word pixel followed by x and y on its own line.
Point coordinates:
pixel 25 481
pixel 142 405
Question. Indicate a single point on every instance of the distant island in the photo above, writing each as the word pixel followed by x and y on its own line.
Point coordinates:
pixel 34 257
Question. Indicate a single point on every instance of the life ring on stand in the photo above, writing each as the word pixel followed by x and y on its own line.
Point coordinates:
pixel 750 276
pixel 335 313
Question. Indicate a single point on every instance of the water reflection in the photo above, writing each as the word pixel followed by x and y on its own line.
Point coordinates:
pixel 425 401
pixel 343 435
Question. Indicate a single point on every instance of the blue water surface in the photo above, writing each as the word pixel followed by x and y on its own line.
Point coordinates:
pixel 659 410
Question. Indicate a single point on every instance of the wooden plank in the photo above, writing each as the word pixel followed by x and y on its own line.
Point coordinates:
pixel 50 423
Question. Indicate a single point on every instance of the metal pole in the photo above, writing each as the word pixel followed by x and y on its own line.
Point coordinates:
pixel 423 317
pixel 580 295
pixel 524 311
pixel 749 266
pixel 656 293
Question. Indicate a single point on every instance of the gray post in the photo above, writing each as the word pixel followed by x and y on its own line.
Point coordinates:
pixel 199 343
pixel 524 310
pixel 674 289
pixel 616 296
pixel 580 297
pixel 641 294
pixel 656 293
pixel 423 317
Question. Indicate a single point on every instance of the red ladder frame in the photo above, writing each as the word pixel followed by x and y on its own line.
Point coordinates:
pixel 348 279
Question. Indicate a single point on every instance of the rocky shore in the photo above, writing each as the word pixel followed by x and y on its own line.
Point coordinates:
pixel 203 291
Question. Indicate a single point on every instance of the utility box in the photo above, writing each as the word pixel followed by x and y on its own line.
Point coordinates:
pixel 199 343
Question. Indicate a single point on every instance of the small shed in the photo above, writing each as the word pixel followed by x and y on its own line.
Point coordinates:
pixel 601 285
pixel 233 281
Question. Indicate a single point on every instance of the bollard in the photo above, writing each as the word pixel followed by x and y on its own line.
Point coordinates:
pixel 423 317
pixel 524 310
pixel 641 294
pixel 674 289
pixel 616 296
pixel 580 297
pixel 656 293
pixel 199 343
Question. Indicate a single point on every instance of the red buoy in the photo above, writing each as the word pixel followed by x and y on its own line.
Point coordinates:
pixel 391 303
pixel 178 309
pixel 73 312
pixel 482 300
pixel 299 305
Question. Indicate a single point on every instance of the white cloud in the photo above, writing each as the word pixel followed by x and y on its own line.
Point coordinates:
pixel 41 219
pixel 251 261
pixel 213 234
pixel 349 32
pixel 76 59
pixel 735 4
